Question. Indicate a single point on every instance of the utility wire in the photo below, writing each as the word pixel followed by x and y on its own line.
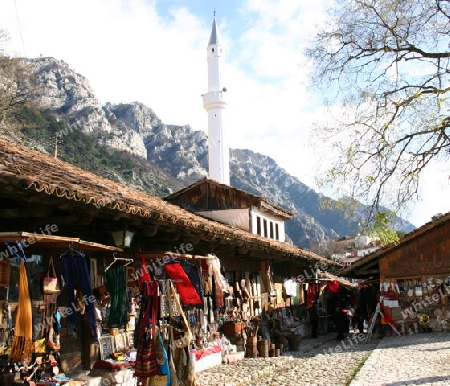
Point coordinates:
pixel 20 27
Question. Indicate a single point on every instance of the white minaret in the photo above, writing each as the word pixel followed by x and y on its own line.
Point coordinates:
pixel 214 102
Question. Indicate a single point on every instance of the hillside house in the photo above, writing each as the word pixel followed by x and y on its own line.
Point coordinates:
pixel 349 249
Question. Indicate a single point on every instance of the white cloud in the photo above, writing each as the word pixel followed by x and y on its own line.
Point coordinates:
pixel 435 194
pixel 129 52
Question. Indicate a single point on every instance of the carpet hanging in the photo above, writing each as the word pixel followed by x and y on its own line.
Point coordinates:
pixel 188 294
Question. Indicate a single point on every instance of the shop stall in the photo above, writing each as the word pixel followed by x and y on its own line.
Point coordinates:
pixel 410 280
pixel 47 303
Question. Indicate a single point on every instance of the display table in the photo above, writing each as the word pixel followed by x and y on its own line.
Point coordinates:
pixel 112 373
pixel 207 358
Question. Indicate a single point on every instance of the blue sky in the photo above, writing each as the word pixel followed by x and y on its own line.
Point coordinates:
pixel 154 52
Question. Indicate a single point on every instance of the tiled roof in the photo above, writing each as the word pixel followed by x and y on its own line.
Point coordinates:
pixel 330 277
pixel 27 170
pixel 250 197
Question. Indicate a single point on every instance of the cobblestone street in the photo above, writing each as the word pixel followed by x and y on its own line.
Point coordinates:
pixel 317 362
pixel 420 359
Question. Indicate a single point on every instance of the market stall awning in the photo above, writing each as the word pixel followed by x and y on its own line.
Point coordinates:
pixel 326 276
pixel 52 241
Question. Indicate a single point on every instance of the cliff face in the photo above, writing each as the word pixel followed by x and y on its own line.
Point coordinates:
pixel 180 152
pixel 69 96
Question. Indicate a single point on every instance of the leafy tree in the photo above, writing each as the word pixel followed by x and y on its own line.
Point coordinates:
pixel 383 229
pixel 386 62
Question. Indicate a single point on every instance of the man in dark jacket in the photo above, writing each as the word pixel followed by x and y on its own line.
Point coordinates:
pixel 314 319
pixel 341 322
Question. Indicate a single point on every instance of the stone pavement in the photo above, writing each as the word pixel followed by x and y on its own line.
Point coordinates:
pixel 421 359
pixel 322 361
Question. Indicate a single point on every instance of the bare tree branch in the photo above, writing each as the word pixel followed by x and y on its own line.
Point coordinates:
pixel 387 63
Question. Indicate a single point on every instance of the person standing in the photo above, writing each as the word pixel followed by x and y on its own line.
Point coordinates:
pixel 341 322
pixel 314 319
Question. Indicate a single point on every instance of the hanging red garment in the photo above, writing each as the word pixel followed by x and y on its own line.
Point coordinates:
pixel 312 294
pixel 387 315
pixel 333 286
pixel 188 294
pixel 145 275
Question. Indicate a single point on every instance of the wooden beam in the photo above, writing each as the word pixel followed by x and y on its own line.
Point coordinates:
pixel 25 212
pixel 366 272
pixel 149 230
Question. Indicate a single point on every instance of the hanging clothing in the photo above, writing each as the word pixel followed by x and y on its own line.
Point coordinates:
pixel 333 286
pixel 188 293
pixel 193 273
pixel 214 269
pixel 116 283
pixel 312 294
pixel 207 284
pixel 290 286
pixel 301 293
pixel 266 276
pixel 76 271
pixel 23 335
pixel 220 284
pixel 387 316
pixel 146 363
pixel 145 274
pixel 218 293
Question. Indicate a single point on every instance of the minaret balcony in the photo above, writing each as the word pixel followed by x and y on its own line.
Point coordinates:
pixel 214 99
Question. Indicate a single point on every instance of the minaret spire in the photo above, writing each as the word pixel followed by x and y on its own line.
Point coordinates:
pixel 214 102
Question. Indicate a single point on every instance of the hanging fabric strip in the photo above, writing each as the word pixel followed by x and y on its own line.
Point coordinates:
pixel 194 275
pixel 23 335
pixel 145 275
pixel 188 293
pixel 116 284
pixel 77 268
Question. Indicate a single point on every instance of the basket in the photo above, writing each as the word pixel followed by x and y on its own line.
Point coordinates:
pixel 233 328
pixel 294 341
pixel 263 348
pixel 158 380
pixel 251 351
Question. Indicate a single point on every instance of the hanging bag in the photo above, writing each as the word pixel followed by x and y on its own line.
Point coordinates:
pixel 146 364
pixel 51 284
pixel 163 363
pixel 187 336
pixel 53 340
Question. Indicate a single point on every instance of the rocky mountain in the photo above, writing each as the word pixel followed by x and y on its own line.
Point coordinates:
pixel 178 152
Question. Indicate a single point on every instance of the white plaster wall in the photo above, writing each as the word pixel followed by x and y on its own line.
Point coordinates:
pixel 264 216
pixel 238 218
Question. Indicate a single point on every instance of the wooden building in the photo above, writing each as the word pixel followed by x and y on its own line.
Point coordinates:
pixel 234 207
pixel 414 272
